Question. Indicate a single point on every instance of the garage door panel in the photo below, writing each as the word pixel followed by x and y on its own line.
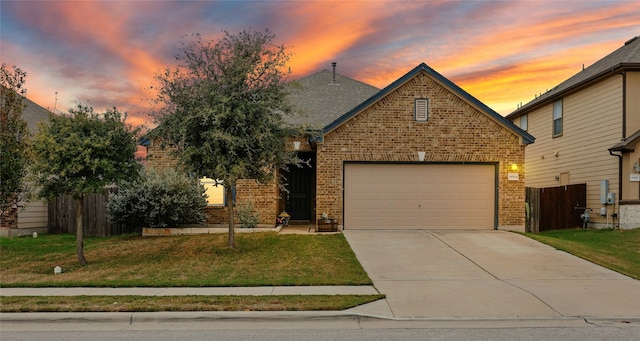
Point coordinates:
pixel 450 196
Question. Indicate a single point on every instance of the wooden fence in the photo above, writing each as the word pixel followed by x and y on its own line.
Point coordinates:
pixel 554 208
pixel 62 216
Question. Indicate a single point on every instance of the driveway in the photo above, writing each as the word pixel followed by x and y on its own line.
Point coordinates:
pixel 486 274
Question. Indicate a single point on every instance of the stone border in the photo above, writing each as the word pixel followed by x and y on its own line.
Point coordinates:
pixel 178 231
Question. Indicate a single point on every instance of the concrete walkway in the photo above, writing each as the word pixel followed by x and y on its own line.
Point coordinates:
pixel 486 274
pixel 208 291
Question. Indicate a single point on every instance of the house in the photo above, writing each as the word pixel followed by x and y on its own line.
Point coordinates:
pixel 32 216
pixel 420 153
pixel 587 130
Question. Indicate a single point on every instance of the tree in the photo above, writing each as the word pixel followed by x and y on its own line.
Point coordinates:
pixel 13 138
pixel 79 154
pixel 223 109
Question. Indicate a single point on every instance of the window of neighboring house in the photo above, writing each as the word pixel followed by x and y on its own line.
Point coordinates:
pixel 215 192
pixel 421 109
pixel 524 122
pixel 557 118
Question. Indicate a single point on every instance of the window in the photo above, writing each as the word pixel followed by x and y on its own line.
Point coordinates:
pixel 215 193
pixel 557 118
pixel 524 122
pixel 421 110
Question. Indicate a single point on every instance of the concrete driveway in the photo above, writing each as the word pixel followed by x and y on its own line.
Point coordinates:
pixel 486 274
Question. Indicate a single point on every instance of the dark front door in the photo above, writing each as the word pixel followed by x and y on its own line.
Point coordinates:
pixel 300 183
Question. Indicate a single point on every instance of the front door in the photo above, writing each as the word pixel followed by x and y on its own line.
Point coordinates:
pixel 300 183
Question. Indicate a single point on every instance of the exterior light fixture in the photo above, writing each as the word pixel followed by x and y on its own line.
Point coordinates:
pixel 421 156
pixel 296 145
pixel 514 167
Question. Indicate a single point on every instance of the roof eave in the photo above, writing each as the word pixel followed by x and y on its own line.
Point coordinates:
pixel 553 96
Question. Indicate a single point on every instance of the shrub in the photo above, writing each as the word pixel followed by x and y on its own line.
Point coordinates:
pixel 249 218
pixel 158 199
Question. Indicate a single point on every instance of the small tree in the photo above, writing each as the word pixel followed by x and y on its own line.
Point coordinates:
pixel 13 138
pixel 79 154
pixel 224 107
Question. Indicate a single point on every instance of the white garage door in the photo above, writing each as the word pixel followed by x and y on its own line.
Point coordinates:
pixel 434 196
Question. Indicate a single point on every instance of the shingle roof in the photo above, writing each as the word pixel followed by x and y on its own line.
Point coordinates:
pixel 626 57
pixel 320 100
pixel 626 144
pixel 34 114
pixel 526 137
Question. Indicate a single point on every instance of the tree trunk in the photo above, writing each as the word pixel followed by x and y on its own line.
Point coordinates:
pixel 80 231
pixel 229 193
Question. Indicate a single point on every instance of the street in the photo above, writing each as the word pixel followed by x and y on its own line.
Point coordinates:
pixel 340 328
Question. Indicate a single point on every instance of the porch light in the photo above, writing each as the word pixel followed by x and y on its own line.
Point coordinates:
pixel 296 145
pixel 514 167
pixel 636 167
pixel 421 156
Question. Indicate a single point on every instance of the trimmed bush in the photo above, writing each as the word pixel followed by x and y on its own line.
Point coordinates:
pixel 248 216
pixel 158 199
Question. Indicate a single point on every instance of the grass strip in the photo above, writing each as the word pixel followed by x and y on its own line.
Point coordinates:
pixel 618 250
pixel 182 303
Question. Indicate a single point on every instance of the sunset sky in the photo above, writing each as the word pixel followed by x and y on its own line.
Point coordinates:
pixel 106 53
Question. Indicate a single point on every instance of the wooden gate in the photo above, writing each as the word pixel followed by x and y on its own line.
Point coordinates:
pixel 62 216
pixel 554 208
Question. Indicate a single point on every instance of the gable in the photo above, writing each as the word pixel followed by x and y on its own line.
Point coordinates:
pixel 451 121
pixel 443 97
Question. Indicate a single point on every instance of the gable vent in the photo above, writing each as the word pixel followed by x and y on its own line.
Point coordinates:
pixel 422 109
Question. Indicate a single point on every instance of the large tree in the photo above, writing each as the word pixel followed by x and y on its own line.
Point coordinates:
pixel 13 137
pixel 79 154
pixel 224 109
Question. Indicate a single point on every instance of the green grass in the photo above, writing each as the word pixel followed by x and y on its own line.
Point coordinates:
pixel 182 303
pixel 618 250
pixel 259 259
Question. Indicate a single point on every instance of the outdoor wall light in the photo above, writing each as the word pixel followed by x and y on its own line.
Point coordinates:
pixel 421 156
pixel 296 145
pixel 514 167
pixel 636 167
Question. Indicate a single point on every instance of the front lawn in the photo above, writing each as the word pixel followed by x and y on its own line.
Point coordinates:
pixel 618 250
pixel 259 259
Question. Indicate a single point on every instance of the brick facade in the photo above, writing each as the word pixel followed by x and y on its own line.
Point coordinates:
pixel 455 132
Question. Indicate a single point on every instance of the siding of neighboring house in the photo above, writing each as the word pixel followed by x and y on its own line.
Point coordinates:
pixel 34 216
pixel 592 124
pixel 456 132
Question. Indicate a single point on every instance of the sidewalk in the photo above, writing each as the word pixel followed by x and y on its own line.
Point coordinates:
pixel 193 291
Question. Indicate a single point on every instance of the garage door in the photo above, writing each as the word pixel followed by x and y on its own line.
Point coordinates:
pixel 434 196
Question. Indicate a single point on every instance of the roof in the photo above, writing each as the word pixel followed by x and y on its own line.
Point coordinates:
pixel 34 114
pixel 626 57
pixel 626 144
pixel 526 137
pixel 320 99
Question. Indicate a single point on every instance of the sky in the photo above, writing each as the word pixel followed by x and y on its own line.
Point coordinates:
pixel 106 53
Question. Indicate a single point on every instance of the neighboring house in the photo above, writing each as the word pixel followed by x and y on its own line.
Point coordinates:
pixel 31 216
pixel 587 130
pixel 420 153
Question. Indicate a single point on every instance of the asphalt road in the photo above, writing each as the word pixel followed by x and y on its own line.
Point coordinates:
pixel 328 329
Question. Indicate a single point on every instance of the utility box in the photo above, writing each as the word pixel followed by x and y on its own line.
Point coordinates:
pixel 604 190
pixel 611 198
